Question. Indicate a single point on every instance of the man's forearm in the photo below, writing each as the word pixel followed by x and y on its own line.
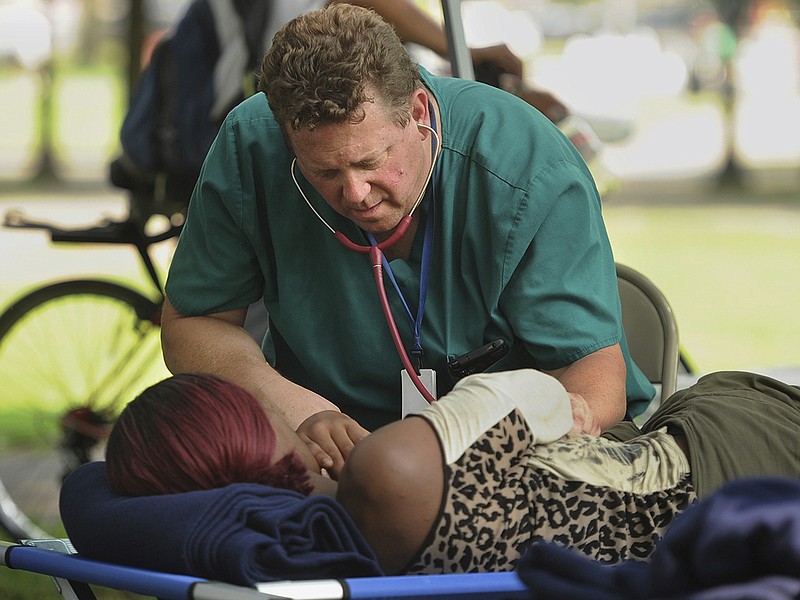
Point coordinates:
pixel 219 345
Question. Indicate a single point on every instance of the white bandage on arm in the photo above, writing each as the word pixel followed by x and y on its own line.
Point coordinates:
pixel 479 401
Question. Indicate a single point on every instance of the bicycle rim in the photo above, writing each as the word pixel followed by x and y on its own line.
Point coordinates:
pixel 73 348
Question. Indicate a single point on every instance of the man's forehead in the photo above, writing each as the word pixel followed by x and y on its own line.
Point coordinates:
pixel 333 143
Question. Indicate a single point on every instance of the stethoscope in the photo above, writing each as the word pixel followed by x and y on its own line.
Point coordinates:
pixel 375 252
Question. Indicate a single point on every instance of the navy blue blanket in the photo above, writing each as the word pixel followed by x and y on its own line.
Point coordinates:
pixel 742 542
pixel 241 534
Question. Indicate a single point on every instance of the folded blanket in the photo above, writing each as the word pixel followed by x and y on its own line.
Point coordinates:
pixel 742 542
pixel 241 534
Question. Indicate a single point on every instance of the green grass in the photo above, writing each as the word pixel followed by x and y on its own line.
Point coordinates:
pixel 23 585
pixel 18 429
pixel 729 270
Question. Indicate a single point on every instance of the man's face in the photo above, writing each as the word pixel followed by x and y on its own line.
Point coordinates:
pixel 371 172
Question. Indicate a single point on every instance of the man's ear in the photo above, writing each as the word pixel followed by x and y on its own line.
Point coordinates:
pixel 419 106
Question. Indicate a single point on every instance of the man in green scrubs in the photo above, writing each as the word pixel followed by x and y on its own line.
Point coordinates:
pixel 506 241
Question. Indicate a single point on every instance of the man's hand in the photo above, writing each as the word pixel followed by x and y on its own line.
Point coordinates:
pixel 582 416
pixel 331 436
pixel 598 379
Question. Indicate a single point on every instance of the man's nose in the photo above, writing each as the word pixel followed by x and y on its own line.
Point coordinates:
pixel 355 188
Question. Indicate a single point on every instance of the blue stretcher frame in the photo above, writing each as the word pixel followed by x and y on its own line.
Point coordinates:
pixel 67 569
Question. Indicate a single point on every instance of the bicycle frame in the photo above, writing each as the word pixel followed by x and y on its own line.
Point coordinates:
pixel 107 232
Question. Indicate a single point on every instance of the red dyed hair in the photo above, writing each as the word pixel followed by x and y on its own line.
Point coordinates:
pixel 193 432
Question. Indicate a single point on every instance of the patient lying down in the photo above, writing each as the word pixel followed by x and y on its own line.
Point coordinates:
pixel 476 478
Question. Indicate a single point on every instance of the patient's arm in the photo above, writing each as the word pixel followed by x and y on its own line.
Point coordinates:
pixel 392 486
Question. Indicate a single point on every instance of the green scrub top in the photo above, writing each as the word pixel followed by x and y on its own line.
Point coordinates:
pixel 520 252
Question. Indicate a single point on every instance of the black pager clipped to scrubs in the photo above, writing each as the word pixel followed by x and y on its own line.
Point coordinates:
pixel 478 360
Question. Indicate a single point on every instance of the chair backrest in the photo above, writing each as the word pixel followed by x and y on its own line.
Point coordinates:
pixel 650 328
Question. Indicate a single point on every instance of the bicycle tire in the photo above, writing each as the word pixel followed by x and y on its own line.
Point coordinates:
pixel 79 345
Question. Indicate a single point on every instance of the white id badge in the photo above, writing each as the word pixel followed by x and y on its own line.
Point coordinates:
pixel 413 400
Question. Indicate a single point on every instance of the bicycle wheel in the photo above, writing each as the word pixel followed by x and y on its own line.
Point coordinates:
pixel 71 355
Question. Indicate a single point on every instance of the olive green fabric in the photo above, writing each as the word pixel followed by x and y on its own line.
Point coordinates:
pixel 737 424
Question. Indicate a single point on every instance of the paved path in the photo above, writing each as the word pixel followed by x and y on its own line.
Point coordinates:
pixel 33 480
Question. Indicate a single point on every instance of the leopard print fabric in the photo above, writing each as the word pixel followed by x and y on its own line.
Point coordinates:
pixel 497 504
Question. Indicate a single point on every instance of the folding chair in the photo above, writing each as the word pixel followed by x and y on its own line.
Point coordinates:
pixel 650 328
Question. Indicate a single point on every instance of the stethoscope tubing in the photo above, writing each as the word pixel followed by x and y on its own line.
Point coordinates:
pixel 376 257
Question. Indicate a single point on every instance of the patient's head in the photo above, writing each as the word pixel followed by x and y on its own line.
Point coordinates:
pixel 197 431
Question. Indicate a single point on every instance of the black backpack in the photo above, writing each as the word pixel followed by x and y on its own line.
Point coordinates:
pixel 198 72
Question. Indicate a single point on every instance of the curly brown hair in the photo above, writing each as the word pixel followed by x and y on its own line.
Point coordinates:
pixel 324 64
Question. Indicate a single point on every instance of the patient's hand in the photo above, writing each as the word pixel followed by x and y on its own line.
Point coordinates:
pixel 331 436
pixel 582 416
